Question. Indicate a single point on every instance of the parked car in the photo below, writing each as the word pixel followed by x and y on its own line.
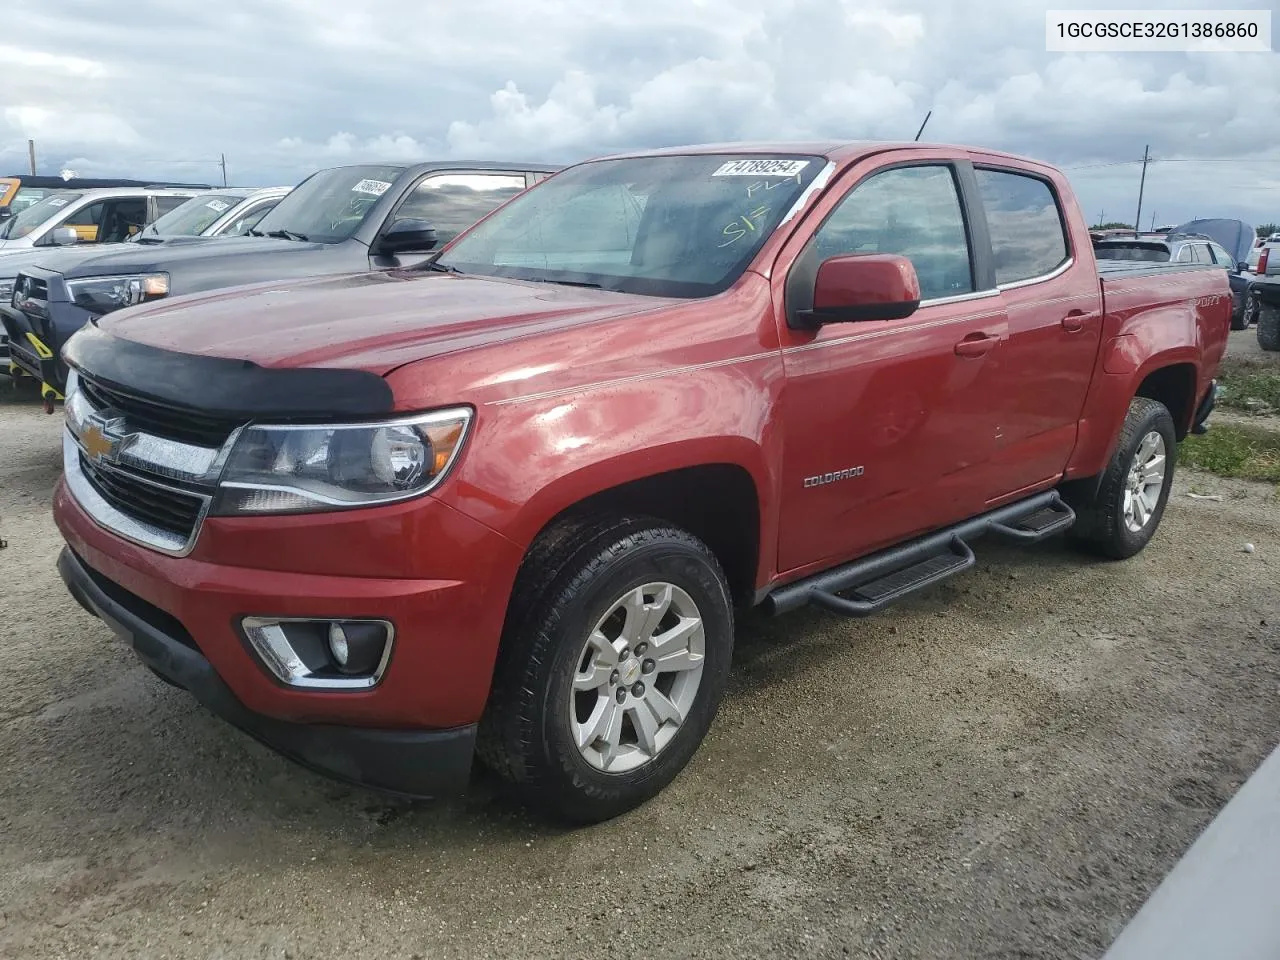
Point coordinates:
pixel 73 218
pixel 1198 241
pixel 107 215
pixel 228 212
pixel 341 220
pixel 507 501
pixel 20 191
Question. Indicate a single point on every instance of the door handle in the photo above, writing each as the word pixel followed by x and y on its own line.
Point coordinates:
pixel 1073 322
pixel 976 345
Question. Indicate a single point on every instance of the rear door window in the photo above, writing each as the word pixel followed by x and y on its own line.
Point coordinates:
pixel 910 211
pixel 1028 236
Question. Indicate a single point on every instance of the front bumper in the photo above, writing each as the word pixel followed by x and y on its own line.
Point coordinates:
pixel 416 763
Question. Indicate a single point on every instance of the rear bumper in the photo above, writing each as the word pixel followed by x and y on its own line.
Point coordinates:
pixel 416 763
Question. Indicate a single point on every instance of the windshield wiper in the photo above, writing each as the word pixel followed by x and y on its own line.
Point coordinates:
pixel 285 235
pixel 439 267
pixel 563 283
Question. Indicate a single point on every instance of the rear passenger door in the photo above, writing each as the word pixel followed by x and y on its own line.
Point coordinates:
pixel 1054 303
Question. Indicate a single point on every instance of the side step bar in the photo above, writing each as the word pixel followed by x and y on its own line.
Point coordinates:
pixel 883 578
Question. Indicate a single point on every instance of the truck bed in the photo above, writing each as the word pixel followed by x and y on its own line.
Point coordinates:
pixel 1115 269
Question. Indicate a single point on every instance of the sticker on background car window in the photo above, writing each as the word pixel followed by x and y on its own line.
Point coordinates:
pixel 375 187
pixel 57 202
pixel 761 168
pixel 217 205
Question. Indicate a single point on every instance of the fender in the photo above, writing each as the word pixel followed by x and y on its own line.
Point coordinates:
pixel 529 461
pixel 1137 341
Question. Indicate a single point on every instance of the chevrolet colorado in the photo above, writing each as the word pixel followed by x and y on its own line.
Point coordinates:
pixel 507 503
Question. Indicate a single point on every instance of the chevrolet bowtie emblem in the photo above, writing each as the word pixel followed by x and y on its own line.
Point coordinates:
pixel 96 444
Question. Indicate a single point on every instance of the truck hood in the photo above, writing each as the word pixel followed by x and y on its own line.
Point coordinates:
pixel 370 321
pixel 211 262
pixel 12 262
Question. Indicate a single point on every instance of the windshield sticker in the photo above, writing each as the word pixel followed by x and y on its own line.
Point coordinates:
pixel 217 205
pixel 57 202
pixel 761 168
pixel 375 187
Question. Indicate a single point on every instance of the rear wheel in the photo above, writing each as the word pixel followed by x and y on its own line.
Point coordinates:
pixel 1269 326
pixel 614 662
pixel 1250 311
pixel 1123 515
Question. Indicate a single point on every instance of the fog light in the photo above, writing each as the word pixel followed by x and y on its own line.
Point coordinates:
pixel 338 644
pixel 322 654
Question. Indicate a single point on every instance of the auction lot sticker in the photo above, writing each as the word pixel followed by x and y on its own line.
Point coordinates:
pixel 375 187
pixel 1156 31
pixel 761 168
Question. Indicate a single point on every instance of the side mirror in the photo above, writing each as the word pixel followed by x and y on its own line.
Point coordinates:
pixel 5 212
pixel 1242 266
pixel 62 237
pixel 877 286
pixel 407 235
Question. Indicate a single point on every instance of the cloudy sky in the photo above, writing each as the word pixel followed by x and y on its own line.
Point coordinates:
pixel 286 86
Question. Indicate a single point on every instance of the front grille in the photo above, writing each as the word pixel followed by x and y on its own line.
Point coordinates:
pixel 148 416
pixel 161 507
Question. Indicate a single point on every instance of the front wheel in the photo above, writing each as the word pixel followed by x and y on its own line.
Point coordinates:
pixel 614 662
pixel 1122 517
pixel 1250 311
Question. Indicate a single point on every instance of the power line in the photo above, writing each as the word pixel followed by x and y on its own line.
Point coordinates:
pixel 1120 163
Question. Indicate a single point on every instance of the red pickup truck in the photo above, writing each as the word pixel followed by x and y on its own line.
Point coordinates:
pixel 506 504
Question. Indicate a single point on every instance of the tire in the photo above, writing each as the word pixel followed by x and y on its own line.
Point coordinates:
pixel 1269 326
pixel 1240 317
pixel 1250 310
pixel 572 589
pixel 1105 524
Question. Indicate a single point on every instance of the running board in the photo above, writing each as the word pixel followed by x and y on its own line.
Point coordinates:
pixel 881 579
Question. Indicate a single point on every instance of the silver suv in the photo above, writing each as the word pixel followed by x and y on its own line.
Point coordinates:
pixel 105 215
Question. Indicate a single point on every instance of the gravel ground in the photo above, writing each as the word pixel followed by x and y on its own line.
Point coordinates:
pixel 1004 767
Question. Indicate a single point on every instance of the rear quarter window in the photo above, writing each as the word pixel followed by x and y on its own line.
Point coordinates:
pixel 1028 239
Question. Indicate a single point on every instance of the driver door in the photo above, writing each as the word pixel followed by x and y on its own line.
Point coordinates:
pixel 889 422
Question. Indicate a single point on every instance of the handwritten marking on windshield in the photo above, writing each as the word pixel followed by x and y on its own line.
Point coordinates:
pixel 745 224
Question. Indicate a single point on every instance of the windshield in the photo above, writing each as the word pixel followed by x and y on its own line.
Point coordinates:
pixel 1133 251
pixel 329 206
pixel 676 226
pixel 26 196
pixel 195 216
pixel 21 224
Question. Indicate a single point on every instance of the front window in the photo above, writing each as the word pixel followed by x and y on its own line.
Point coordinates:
pixel 329 206
pixel 195 216
pixel 40 212
pixel 677 226
pixel 26 196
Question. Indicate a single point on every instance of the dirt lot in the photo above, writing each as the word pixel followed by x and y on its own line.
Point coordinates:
pixel 1003 768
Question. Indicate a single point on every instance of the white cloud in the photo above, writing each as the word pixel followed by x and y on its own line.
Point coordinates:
pixel 287 87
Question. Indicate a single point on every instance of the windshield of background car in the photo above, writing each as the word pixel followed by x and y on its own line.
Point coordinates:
pixel 329 206
pixel 675 226
pixel 1132 251
pixel 195 216
pixel 22 223
pixel 26 196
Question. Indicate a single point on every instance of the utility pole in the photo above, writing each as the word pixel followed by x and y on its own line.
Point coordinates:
pixel 926 120
pixel 1146 158
pixel 31 155
pixel 223 163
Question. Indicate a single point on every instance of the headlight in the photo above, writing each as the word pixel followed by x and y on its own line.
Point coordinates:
pixel 6 289
pixel 299 468
pixel 104 294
